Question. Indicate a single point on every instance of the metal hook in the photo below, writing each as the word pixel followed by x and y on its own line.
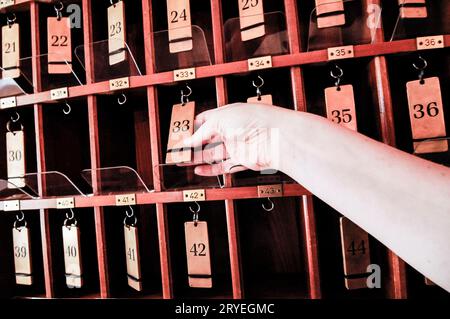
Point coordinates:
pixel 129 215
pixel 185 97
pixel 424 66
pixel 69 109
pixel 59 10
pixel 112 2
pixel 195 216
pixel 72 216
pixel 8 127
pixel 258 87
pixel 18 220
pixel 21 218
pixel 10 21
pixel 123 100
pixel 15 119
pixel 337 76
pixel 272 205
pixel 75 223
pixel 132 212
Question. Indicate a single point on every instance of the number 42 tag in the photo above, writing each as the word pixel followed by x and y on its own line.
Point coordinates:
pixel 197 251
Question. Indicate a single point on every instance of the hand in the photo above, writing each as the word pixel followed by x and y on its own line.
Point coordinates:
pixel 249 136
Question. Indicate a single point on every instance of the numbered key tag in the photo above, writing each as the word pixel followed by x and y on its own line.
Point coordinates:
pixel 356 253
pixel 133 257
pixel 179 22
pixel 251 18
pixel 181 127
pixel 22 256
pixel 262 99
pixel 72 256
pixel 426 111
pixel 11 51
pixel 198 258
pixel 116 33
pixel 330 13
pixel 15 149
pixel 412 9
pixel 340 104
pixel 59 43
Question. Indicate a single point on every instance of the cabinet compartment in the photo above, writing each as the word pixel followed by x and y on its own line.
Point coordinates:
pixel 214 214
pixel 272 256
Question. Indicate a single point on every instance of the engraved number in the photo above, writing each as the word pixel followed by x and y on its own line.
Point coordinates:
pixel 71 251
pixel 432 110
pixel 15 156
pixel 10 47
pixel 249 4
pixel 180 126
pixel 20 251
pixel 198 249
pixel 59 41
pixel 115 29
pixel 343 116
pixel 177 17
pixel 353 249
pixel 131 254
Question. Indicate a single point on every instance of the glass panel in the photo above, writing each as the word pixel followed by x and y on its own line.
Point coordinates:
pixel 434 22
pixel 435 150
pixel 11 191
pixel 167 61
pixel 355 25
pixel 24 81
pixel 104 69
pixel 118 179
pixel 56 184
pixel 274 42
pixel 9 87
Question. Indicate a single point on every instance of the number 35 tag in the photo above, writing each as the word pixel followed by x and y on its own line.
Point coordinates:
pixel 340 103
pixel 198 258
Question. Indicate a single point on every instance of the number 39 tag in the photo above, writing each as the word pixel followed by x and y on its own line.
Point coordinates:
pixel 197 251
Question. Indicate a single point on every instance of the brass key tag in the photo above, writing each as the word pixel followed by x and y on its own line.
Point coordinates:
pixel 426 111
pixel 133 257
pixel 116 33
pixel 412 9
pixel 179 22
pixel 356 253
pixel 181 127
pixel 15 152
pixel 72 256
pixel 330 13
pixel 22 256
pixel 11 51
pixel 263 99
pixel 340 104
pixel 251 18
pixel 197 251
pixel 59 44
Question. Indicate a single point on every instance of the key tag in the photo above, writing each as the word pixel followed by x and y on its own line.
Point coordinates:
pixel 72 252
pixel 179 22
pixel 181 127
pixel 340 101
pixel 59 43
pixel 116 32
pixel 251 19
pixel 330 13
pixel 412 9
pixel 259 98
pixel 426 112
pixel 132 250
pixel 15 152
pixel 197 252
pixel 11 48
pixel 22 251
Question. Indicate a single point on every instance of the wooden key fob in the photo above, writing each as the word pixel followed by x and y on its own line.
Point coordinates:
pixel 133 257
pixel 413 9
pixel 180 28
pixel 330 13
pixel 11 51
pixel 426 113
pixel 340 104
pixel 198 257
pixel 356 253
pixel 181 127
pixel 116 33
pixel 251 18
pixel 15 152
pixel 59 43
pixel 72 256
pixel 22 256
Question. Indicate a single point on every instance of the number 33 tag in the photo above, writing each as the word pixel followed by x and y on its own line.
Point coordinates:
pixel 181 127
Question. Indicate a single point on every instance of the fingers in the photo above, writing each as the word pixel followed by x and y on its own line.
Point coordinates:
pixel 205 134
pixel 226 167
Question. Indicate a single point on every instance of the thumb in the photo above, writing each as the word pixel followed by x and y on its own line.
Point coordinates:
pixel 203 135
